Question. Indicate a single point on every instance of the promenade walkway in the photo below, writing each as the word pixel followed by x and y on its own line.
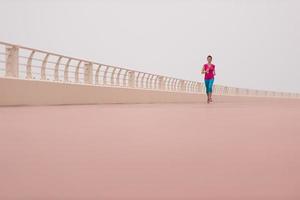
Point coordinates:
pixel 234 149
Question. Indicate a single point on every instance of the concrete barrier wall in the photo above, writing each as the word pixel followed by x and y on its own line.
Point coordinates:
pixel 35 92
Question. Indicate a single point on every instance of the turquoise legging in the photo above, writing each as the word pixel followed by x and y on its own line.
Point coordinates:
pixel 209 85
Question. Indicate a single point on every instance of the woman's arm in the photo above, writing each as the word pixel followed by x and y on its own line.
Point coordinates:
pixel 214 72
pixel 203 71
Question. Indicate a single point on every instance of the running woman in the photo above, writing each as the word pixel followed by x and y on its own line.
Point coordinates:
pixel 209 70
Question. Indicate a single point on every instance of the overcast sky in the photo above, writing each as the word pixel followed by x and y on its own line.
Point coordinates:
pixel 254 43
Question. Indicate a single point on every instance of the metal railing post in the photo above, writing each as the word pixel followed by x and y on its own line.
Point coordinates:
pixel 29 65
pixel 161 83
pixel 56 69
pixel 88 73
pixel 43 68
pixel 66 71
pixel 131 80
pixel 12 61
pixel 77 71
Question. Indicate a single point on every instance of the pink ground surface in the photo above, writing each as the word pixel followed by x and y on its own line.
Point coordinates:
pixel 233 149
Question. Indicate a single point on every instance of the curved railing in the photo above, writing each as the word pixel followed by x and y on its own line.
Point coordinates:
pixel 28 63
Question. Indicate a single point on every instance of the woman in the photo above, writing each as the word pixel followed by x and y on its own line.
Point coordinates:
pixel 209 71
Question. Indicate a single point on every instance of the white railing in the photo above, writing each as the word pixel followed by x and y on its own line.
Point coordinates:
pixel 27 63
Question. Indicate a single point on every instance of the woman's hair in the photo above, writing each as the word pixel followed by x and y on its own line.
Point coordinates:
pixel 209 56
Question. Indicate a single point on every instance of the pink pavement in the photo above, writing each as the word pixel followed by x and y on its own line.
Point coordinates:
pixel 233 149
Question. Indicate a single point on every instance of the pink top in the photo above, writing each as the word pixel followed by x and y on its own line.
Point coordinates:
pixel 210 73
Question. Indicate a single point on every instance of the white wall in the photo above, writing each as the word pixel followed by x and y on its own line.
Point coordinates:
pixel 34 92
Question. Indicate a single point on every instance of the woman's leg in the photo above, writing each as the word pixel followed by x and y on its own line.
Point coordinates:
pixel 207 89
pixel 211 82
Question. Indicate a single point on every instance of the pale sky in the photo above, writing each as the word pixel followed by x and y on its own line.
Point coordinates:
pixel 254 43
